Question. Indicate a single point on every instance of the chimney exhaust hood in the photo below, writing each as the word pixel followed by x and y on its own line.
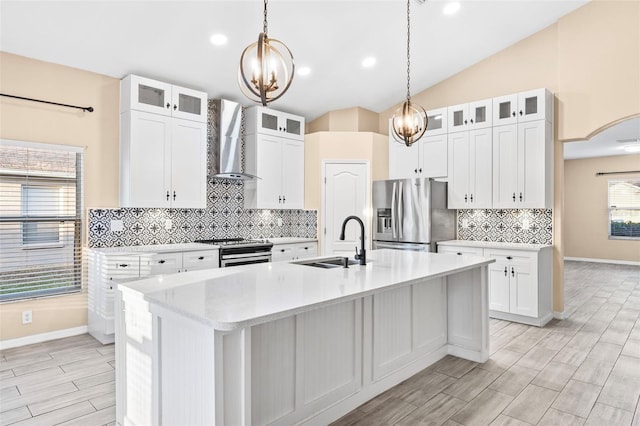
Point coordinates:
pixel 225 133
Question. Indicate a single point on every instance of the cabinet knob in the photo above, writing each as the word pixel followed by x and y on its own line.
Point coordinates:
pixel 168 105
pixel 513 271
pixel 505 271
pixel 123 265
pixel 415 170
pixel 201 258
pixel 281 250
pixel 420 170
pixel 465 121
pixel 465 198
pixel 168 195
pixel 513 113
pixel 514 197
pixel 459 254
pixel 283 199
pixel 161 261
pixel 509 257
pixel 471 198
pixel 175 107
pixel 521 196
pixel 520 112
pixel 279 199
pixel 306 248
pixel 471 120
pixel 174 195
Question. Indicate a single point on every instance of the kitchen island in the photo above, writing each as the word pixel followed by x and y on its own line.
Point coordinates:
pixel 286 343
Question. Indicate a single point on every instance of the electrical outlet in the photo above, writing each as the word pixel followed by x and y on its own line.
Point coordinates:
pixel 116 226
pixel 168 224
pixel 279 221
pixel 27 317
pixel 465 223
pixel 525 224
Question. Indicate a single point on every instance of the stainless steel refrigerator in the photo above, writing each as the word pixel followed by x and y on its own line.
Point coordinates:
pixel 411 214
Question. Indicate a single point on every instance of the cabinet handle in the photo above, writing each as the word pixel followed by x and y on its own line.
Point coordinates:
pixel 168 195
pixel 521 196
pixel 420 170
pixel 123 265
pixel 465 121
pixel 175 107
pixel 513 113
pixel 283 199
pixel 284 129
pixel 471 120
pixel 520 112
pixel 415 170
pixel 459 254
pixel 513 272
pixel 509 257
pixel 168 105
pixel 306 248
pixel 161 261
pixel 471 197
pixel 465 198
pixel 279 199
pixel 505 271
pixel 281 250
pixel 174 195
pixel 201 258
pixel 514 197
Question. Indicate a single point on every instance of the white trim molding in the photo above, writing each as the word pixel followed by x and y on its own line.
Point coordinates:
pixel 42 337
pixel 616 262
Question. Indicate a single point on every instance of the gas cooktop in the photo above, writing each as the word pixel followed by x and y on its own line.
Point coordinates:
pixel 235 242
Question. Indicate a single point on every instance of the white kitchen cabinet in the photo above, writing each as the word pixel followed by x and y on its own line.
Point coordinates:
pixel 107 269
pixel 522 107
pixel 425 158
pixel 144 94
pixel 470 171
pixel 162 161
pixel 437 120
pixel 294 251
pixel 279 162
pixel 523 165
pixel 266 121
pixel 520 281
pixel 473 115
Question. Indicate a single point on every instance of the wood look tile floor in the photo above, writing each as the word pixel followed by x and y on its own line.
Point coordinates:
pixel 583 370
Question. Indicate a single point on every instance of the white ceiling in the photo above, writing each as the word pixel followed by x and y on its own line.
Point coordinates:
pixel 611 141
pixel 169 41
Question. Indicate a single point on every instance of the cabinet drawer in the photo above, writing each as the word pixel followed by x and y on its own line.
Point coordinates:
pixel 474 251
pixel 164 263
pixel 121 267
pixel 282 252
pixel 510 256
pixel 306 250
pixel 194 260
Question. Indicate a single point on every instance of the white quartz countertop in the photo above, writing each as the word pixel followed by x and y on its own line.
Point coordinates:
pixel 292 240
pixel 491 244
pixel 231 298
pixel 158 248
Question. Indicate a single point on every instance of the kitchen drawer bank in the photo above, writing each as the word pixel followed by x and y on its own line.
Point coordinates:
pixel 520 281
pixel 109 267
pixel 285 343
pixel 287 249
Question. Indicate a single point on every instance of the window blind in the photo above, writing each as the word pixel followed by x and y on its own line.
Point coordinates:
pixel 624 208
pixel 40 219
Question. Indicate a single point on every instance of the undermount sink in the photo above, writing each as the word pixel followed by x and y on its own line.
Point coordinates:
pixel 328 263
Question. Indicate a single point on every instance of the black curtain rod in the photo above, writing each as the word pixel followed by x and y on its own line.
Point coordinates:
pixel 89 109
pixel 617 173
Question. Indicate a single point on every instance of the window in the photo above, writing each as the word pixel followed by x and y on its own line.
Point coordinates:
pixel 624 208
pixel 40 219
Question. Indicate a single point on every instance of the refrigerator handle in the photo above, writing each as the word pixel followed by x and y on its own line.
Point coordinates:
pixel 394 214
pixel 400 218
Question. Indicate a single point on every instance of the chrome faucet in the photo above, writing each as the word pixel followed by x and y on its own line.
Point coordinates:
pixel 362 255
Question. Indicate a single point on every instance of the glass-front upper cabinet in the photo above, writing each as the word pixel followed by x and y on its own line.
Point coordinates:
pixel 436 122
pixel 474 115
pixel 144 94
pixel 522 107
pixel 264 120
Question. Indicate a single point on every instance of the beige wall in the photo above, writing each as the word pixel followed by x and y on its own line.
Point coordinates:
pixel 355 119
pixel 586 214
pixel 321 146
pixel 98 132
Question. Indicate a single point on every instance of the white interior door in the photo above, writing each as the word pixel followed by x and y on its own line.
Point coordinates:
pixel 346 192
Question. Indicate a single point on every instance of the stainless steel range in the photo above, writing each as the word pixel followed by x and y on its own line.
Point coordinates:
pixel 238 251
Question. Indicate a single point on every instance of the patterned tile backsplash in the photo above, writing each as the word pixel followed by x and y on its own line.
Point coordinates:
pixel 531 226
pixel 224 217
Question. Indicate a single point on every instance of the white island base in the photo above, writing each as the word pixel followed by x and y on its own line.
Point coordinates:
pixel 289 344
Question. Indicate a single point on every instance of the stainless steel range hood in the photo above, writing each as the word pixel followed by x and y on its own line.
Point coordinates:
pixel 226 140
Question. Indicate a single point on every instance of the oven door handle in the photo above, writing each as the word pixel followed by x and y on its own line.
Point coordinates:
pixel 244 255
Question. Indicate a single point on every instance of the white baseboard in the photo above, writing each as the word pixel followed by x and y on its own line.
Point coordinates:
pixel 43 337
pixel 617 262
pixel 560 315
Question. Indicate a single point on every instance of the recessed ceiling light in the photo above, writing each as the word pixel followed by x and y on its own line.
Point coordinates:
pixel 304 71
pixel 368 62
pixel 451 8
pixel 219 39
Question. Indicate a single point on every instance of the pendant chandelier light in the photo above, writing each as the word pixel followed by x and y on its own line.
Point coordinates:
pixel 409 122
pixel 266 68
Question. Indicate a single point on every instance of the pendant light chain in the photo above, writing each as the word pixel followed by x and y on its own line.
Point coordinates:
pixel 264 23
pixel 408 50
